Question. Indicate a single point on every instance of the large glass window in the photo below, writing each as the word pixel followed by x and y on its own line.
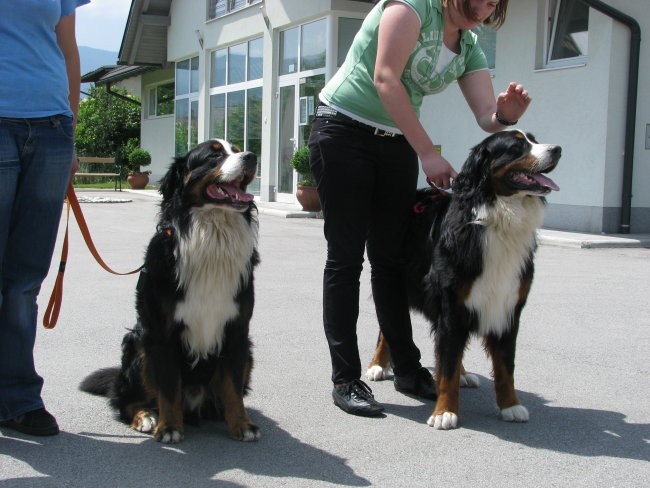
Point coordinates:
pixel 187 105
pixel 303 48
pixel 236 97
pixel 568 33
pixel 348 28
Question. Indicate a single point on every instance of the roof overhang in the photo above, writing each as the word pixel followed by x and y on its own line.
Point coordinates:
pixel 144 42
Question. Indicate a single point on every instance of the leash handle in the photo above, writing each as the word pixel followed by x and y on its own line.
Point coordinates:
pixel 54 306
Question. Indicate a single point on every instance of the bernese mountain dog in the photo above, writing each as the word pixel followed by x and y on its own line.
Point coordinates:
pixel 189 356
pixel 470 265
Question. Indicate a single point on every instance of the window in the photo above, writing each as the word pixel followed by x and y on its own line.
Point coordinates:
pixel 487 39
pixel 568 33
pixel 161 100
pixel 187 105
pixel 303 48
pixel 348 28
pixel 218 8
pixel 236 97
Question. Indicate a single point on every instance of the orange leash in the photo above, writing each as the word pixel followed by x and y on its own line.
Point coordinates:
pixel 54 306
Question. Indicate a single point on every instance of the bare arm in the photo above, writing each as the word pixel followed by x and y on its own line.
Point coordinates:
pixel 399 29
pixel 478 91
pixel 66 38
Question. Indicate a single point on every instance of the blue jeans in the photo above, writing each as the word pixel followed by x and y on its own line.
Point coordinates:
pixel 35 165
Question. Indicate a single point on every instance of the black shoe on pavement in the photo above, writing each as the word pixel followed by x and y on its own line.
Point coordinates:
pixel 419 383
pixel 356 397
pixel 38 422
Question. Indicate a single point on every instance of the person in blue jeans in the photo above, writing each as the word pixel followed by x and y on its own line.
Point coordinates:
pixel 364 148
pixel 39 98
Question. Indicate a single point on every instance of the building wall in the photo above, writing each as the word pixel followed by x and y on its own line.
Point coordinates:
pixel 157 134
pixel 581 108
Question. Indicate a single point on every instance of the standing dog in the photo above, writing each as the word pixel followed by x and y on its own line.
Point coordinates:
pixel 189 355
pixel 471 264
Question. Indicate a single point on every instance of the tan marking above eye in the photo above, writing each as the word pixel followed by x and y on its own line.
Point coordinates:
pixel 235 149
pixel 519 135
pixel 217 146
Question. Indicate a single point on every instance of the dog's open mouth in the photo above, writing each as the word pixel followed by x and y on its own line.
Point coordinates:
pixel 232 192
pixel 533 181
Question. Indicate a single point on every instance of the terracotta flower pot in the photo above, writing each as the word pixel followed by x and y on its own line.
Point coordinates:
pixel 138 180
pixel 308 197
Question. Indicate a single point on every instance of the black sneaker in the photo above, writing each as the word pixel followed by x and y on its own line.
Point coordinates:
pixel 38 422
pixel 355 397
pixel 419 383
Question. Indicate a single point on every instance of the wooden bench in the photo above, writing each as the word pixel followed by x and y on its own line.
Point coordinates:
pixel 106 164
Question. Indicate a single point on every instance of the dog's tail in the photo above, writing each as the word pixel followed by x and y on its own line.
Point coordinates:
pixel 100 382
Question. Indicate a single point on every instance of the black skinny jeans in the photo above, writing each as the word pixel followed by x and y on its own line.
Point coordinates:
pixel 366 185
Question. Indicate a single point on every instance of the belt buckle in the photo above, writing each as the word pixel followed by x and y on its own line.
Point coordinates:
pixel 384 133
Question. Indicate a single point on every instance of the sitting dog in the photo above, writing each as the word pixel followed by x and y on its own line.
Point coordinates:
pixel 470 265
pixel 189 355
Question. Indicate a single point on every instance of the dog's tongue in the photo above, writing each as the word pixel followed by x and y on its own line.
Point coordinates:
pixel 545 181
pixel 219 192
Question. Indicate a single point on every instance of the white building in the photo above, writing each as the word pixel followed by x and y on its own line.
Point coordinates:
pixel 251 70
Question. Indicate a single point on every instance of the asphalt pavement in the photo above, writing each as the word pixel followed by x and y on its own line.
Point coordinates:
pixel 582 371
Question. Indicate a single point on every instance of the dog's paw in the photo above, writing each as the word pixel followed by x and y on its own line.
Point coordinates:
pixel 376 373
pixel 246 433
pixel 169 435
pixel 516 413
pixel 144 421
pixel 443 421
pixel 469 380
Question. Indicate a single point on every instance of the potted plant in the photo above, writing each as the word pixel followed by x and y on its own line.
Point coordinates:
pixel 136 159
pixel 306 193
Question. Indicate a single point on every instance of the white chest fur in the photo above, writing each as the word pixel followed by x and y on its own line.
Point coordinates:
pixel 213 262
pixel 509 240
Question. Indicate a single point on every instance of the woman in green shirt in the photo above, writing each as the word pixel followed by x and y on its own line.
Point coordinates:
pixel 364 148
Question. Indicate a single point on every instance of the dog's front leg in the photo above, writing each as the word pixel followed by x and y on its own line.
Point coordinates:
pixel 231 394
pixel 163 376
pixel 502 352
pixel 380 365
pixel 449 364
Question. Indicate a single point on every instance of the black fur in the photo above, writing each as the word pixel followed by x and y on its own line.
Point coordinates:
pixel 449 245
pixel 159 367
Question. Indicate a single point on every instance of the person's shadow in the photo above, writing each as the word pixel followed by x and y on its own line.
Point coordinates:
pixel 578 431
pixel 206 458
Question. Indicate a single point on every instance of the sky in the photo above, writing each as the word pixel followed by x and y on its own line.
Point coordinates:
pixel 100 23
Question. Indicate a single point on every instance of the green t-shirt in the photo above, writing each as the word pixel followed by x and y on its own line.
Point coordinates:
pixel 351 90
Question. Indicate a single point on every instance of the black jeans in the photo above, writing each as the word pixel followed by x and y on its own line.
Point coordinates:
pixel 366 185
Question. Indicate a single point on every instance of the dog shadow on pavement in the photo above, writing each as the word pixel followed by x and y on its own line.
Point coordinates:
pixel 207 456
pixel 579 431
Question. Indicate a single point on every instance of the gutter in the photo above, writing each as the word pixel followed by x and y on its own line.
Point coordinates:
pixel 630 115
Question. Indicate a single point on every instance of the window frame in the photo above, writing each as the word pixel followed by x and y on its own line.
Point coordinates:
pixel 153 89
pixel 191 97
pixel 241 88
pixel 216 9
pixel 553 8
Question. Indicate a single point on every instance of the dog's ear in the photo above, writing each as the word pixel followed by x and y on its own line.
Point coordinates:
pixel 173 178
pixel 475 171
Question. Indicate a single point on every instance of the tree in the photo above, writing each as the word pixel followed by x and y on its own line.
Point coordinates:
pixel 107 125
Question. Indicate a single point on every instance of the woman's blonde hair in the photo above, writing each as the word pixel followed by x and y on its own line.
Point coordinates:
pixel 495 20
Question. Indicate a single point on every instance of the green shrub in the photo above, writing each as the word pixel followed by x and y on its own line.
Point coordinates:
pixel 300 162
pixel 138 158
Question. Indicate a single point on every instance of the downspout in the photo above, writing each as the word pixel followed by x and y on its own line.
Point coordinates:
pixel 630 116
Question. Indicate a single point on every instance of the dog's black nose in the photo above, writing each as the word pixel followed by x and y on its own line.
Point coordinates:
pixel 556 151
pixel 249 157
